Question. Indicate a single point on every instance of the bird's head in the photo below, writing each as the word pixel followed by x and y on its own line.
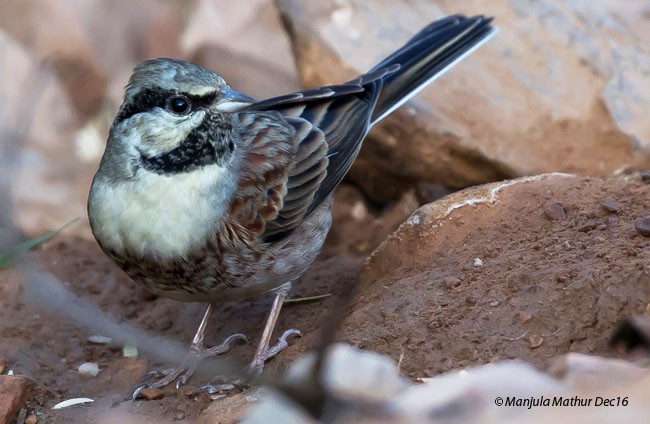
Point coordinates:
pixel 175 117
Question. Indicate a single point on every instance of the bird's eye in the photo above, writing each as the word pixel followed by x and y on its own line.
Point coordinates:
pixel 179 105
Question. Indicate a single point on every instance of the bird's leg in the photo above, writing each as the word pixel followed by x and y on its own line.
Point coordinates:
pixel 188 365
pixel 264 352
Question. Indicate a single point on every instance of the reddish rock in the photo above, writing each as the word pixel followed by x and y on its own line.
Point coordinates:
pixel 13 393
pixel 537 270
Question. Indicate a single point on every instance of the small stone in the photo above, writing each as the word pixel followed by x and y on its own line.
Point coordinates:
pixel 611 205
pixel 612 221
pixel 535 341
pixel 130 352
pixel 524 317
pixel 601 227
pixel 588 225
pixel 151 394
pixel 13 392
pixel 645 176
pixel 495 303
pixel 31 419
pixel 90 369
pixel 555 211
pixel 97 339
pixel 451 282
pixel 179 415
pixel 478 262
pixel 642 226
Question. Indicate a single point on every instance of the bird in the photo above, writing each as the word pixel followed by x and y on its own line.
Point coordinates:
pixel 205 194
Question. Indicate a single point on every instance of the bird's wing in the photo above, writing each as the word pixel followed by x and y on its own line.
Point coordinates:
pixel 290 169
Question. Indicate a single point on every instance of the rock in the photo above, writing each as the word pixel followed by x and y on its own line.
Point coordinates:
pixel 574 105
pixel 591 373
pixel 37 123
pixel 533 266
pixel 642 226
pixel 611 205
pixel 250 49
pixel 13 394
pixel 470 395
pixel 353 374
pixel 504 392
pixel 51 30
pixel 89 369
pixel 555 211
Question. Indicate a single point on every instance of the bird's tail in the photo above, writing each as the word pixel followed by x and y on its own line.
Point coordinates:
pixel 426 56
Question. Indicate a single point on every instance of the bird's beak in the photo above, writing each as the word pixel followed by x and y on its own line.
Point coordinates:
pixel 231 101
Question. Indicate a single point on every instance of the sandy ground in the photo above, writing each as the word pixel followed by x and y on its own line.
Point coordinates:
pixel 532 283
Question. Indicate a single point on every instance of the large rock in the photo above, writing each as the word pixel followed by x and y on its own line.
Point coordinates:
pixel 39 161
pixel 93 45
pixel 245 43
pixel 506 392
pixel 563 86
pixel 524 269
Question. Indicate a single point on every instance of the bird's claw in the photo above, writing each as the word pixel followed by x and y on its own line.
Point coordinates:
pixel 221 386
pixel 187 367
pixel 257 366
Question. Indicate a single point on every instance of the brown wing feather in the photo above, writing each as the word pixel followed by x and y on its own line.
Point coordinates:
pixel 284 162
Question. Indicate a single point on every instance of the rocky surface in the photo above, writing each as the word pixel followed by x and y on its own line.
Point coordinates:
pixel 492 267
pixel 562 87
pixel 477 394
pixel 14 391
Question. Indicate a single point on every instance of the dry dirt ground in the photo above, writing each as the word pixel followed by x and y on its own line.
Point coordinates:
pixel 49 348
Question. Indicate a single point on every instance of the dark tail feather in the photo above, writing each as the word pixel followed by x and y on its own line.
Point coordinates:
pixel 426 56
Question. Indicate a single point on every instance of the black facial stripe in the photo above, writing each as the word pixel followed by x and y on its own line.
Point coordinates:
pixel 151 98
pixel 206 144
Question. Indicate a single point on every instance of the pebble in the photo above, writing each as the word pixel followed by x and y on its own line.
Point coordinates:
pixel 478 262
pixel 642 226
pixel 555 211
pixel 151 394
pixel 645 176
pixel 535 341
pixel 97 339
pixel 130 352
pixel 611 205
pixel 588 225
pixel 31 419
pixel 524 317
pixel 451 282
pixel 90 369
pixel 13 392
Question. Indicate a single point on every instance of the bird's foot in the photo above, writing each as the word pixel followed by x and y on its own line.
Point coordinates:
pixel 187 367
pixel 221 386
pixel 257 365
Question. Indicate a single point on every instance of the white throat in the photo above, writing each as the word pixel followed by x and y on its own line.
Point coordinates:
pixel 161 216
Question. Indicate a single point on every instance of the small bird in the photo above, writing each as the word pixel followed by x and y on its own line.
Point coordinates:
pixel 204 194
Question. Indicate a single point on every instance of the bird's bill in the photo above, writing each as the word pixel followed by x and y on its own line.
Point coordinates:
pixel 231 101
